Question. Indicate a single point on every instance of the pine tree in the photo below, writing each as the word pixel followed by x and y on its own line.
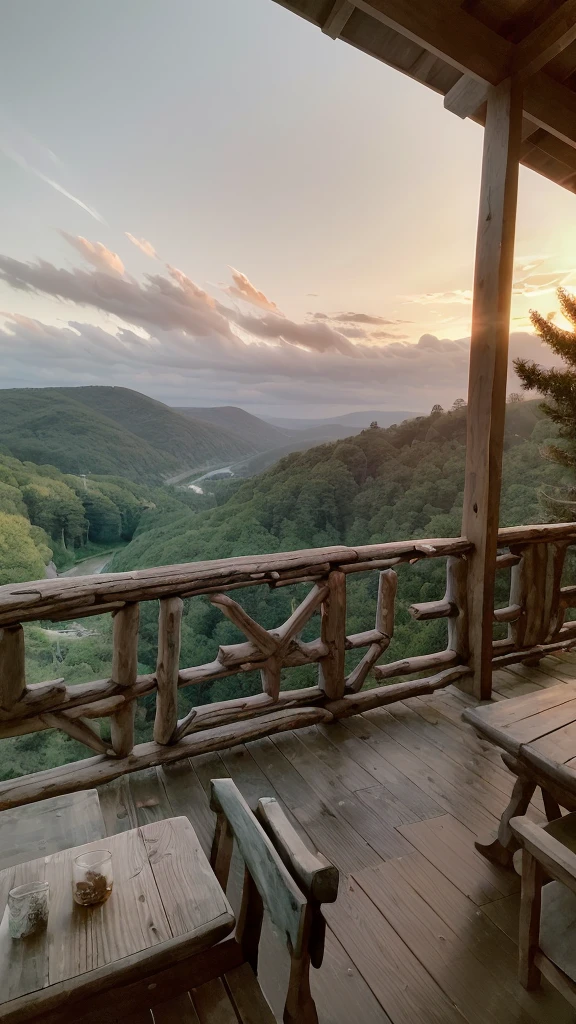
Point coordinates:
pixel 558 388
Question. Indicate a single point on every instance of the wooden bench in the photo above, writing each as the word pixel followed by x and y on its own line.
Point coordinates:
pixel 48 826
pixel 537 734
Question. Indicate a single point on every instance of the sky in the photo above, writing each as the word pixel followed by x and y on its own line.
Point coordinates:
pixel 215 204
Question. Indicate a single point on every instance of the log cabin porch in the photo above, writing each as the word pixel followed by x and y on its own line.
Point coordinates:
pixel 373 765
pixel 424 930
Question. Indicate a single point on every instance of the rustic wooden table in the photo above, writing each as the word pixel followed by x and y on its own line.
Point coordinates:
pixel 166 907
pixel 537 734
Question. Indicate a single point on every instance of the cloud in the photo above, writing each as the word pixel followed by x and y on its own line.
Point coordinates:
pixel 245 290
pixel 380 335
pixel 97 254
pixel 173 303
pixel 355 318
pixel 169 303
pixel 146 247
pixel 175 340
pixel 172 364
pixel 13 154
pixel 541 284
pixel 459 296
pixel 314 337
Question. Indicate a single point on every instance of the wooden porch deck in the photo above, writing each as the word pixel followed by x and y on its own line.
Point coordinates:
pixel 424 930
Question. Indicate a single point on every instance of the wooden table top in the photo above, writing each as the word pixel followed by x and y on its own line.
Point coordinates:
pixel 164 892
pixel 539 728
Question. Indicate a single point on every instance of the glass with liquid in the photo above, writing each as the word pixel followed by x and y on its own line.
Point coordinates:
pixel 92 878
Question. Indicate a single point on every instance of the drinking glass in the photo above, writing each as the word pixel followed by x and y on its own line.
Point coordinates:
pixel 92 878
pixel 28 909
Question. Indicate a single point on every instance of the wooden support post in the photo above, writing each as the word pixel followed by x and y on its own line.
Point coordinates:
pixel 124 672
pixel 333 633
pixel 488 365
pixel 529 930
pixel 169 623
pixel 12 666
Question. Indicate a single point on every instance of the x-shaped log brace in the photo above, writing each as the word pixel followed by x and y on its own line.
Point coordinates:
pixel 269 646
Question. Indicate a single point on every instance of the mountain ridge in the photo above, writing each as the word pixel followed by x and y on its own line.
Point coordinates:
pixel 108 430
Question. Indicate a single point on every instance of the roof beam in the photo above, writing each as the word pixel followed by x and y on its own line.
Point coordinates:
pixel 465 96
pixel 447 31
pixel 546 41
pixel 337 18
pixel 535 51
pixel 466 44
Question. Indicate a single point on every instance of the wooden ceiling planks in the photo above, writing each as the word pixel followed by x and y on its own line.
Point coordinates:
pixel 456 48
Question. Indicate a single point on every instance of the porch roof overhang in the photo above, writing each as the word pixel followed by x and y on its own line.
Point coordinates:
pixel 459 49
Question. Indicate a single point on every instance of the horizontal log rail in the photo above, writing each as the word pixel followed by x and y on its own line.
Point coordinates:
pixel 535 616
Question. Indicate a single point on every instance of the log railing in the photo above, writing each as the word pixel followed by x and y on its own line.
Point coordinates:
pixel 535 616
pixel 536 556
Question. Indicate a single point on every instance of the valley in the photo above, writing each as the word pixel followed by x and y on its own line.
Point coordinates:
pixel 376 485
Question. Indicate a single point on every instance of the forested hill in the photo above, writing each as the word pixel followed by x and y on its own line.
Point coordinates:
pixel 402 482
pixel 109 430
pixel 379 485
pixel 48 515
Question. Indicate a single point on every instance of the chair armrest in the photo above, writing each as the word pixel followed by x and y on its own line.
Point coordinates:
pixel 314 875
pixel 558 861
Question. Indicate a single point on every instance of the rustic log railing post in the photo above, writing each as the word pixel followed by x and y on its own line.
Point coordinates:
pixel 125 673
pixel 384 626
pixel 488 365
pixel 12 666
pixel 457 596
pixel 333 634
pixel 535 592
pixel 169 637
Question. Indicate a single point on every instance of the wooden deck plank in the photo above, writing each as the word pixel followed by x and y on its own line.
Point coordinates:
pixel 383 838
pixel 463 740
pixel 179 1010
pixel 341 992
pixel 456 858
pixel 544 675
pixel 117 806
pixel 404 791
pixel 466 981
pixel 392 723
pixel 449 795
pixel 495 950
pixel 186 796
pixel 212 1003
pixel 401 984
pixel 327 830
pixel 346 769
pixel 451 741
pixel 149 797
pixel 248 776
pixel 505 913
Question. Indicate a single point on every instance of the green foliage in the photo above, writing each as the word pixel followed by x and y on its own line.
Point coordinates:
pixel 380 485
pixel 558 387
pixel 107 430
pixel 20 557
pixel 65 516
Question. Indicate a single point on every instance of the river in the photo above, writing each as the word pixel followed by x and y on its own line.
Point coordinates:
pixel 89 566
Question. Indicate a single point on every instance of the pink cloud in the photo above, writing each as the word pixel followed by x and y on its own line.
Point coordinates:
pixel 97 254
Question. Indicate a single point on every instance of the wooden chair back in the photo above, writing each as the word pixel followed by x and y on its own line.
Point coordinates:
pixel 547 944
pixel 282 877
